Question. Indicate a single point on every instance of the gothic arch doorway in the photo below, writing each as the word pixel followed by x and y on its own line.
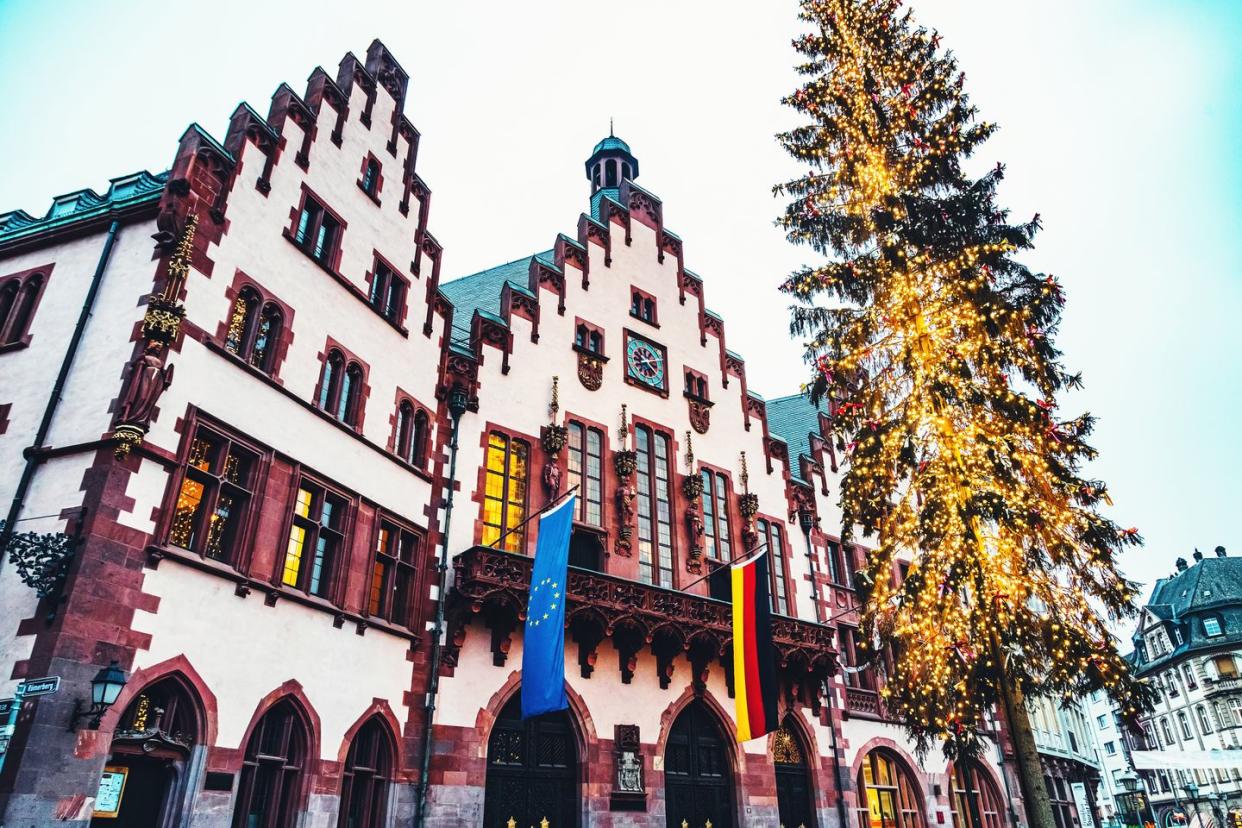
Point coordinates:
pixel 793 778
pixel 152 747
pixel 532 770
pixel 697 779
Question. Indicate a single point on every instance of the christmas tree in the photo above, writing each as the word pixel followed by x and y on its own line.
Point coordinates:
pixel 933 349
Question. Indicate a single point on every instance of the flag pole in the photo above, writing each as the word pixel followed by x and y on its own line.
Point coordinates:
pixel 745 554
pixel 553 502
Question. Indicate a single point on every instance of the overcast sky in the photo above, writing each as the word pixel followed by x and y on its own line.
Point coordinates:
pixel 1120 124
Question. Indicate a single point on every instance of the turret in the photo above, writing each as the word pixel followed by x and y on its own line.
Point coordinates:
pixel 611 162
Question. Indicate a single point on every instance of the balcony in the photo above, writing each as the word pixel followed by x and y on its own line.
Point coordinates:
pixel 492 586
pixel 1216 687
pixel 863 702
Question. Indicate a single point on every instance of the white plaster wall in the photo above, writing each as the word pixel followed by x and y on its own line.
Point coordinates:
pixel 244 650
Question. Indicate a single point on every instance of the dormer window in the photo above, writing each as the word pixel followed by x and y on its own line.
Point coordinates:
pixel 1212 627
pixel 643 306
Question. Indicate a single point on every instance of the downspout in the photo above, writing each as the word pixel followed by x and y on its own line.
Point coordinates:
pixel 806 521
pixel 34 454
pixel 457 403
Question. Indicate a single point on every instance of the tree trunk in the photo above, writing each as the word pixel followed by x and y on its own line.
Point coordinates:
pixel 1026 756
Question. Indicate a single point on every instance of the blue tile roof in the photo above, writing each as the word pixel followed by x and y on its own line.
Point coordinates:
pixel 1211 587
pixel 794 420
pixel 610 143
pixel 481 291
pixel 71 208
pixel 610 193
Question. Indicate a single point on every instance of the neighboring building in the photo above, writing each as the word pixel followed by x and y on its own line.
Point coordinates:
pixel 1112 751
pixel 252 461
pixel 1066 745
pixel 1188 644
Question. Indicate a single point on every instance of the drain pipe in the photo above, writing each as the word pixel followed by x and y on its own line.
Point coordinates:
pixel 806 521
pixel 457 403
pixel 34 454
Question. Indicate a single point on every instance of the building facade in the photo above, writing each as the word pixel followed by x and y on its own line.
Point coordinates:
pixel 1188 644
pixel 1067 749
pixel 279 472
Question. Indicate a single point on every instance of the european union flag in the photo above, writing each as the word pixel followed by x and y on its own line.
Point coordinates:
pixel 543 648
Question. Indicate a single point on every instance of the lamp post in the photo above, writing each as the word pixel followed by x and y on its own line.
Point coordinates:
pixel 1135 785
pixel 106 686
pixel 1192 792
pixel 1214 798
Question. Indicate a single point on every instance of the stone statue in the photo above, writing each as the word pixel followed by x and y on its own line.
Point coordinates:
pixel 626 495
pixel 148 378
pixel 552 479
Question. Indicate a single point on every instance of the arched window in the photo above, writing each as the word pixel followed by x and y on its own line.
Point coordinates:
pixel 242 322
pixel 330 381
pixel 340 388
pixel 418 445
pixel 269 794
pixel 890 796
pixel 793 778
pixel 770 534
pixel 405 422
pixel 8 298
pixel 504 497
pixel 263 346
pixel 976 801
pixel 367 777
pixel 18 297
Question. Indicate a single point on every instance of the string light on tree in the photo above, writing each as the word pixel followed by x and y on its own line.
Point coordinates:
pixel 933 347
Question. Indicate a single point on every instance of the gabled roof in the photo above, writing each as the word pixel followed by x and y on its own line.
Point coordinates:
pixel 794 419
pixel 481 291
pixel 1212 587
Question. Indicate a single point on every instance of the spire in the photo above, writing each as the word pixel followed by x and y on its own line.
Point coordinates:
pixel 611 162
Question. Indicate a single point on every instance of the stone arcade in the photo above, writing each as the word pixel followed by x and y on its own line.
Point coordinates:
pixel 243 492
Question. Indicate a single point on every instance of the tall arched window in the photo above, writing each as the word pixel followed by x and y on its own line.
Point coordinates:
pixel 770 534
pixel 976 801
pixel 889 794
pixel 367 777
pixel 340 389
pixel 241 321
pixel 330 380
pixel 263 346
pixel 269 794
pixel 655 506
pixel 405 422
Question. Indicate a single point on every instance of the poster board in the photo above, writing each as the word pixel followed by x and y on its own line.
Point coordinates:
pixel 111 788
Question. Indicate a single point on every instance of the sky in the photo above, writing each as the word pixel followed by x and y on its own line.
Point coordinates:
pixel 1120 124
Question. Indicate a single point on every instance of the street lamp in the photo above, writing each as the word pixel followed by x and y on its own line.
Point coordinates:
pixel 1134 785
pixel 1214 798
pixel 106 686
pixel 1192 791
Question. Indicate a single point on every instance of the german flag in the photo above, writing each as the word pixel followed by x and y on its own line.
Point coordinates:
pixel 754 671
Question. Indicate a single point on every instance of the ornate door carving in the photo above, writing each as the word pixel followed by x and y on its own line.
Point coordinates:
pixel 532 771
pixel 697 779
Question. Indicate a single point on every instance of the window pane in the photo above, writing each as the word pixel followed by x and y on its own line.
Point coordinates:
pixel 293 557
pixel 186 512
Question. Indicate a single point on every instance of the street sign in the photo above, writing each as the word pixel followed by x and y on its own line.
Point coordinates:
pixel 39 686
